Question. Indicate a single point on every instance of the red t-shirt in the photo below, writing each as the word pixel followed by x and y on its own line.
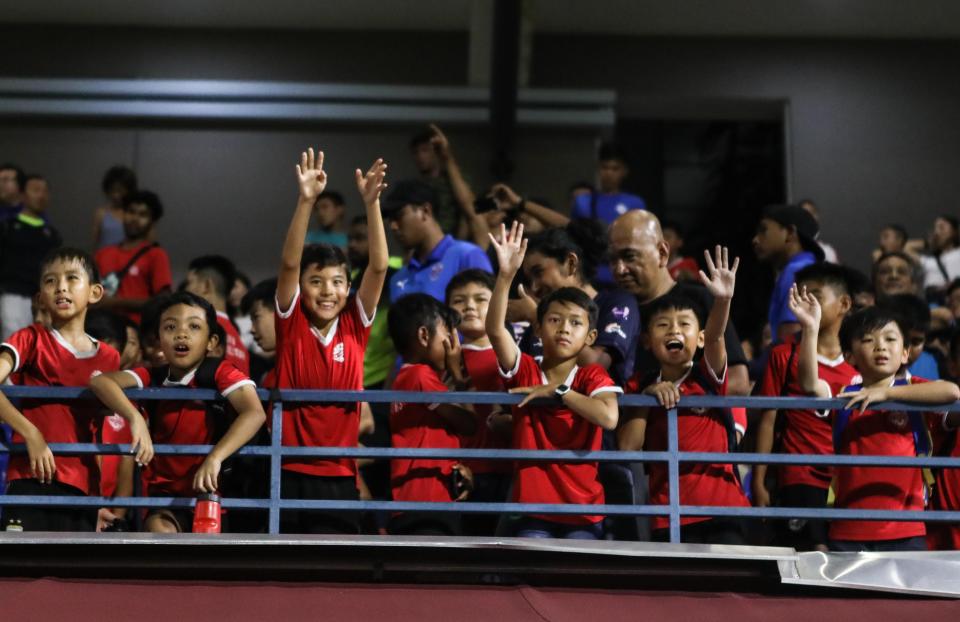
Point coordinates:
pixel 419 426
pixel 946 489
pixel 235 352
pixel 540 427
pixel 879 433
pixel 178 422
pixel 481 364
pixel 699 429
pixel 43 358
pixel 147 277
pixel 803 431
pixel 307 360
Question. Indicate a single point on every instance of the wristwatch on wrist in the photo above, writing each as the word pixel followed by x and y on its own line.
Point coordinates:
pixel 561 391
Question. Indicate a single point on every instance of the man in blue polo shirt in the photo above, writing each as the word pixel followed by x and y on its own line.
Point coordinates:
pixel 608 203
pixel 434 257
pixel 787 239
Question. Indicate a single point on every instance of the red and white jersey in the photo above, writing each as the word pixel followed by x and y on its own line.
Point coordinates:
pixel 804 432
pixel 148 276
pixel 179 422
pixel 234 350
pixel 546 427
pixel 484 372
pixel 308 360
pixel 699 429
pixel 43 358
pixel 880 433
pixel 946 489
pixel 419 426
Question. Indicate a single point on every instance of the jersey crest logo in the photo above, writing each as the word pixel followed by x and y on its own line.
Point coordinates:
pixel 338 353
pixel 898 420
pixel 436 271
pixel 134 270
pixel 621 208
pixel 621 312
pixel 402 284
pixel 116 422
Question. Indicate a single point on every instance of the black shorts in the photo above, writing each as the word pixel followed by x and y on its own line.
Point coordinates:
pixel 711 531
pixel 46 518
pixel 802 534
pixel 295 485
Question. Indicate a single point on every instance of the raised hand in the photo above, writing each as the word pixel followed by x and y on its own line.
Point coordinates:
pixel 440 142
pixel 372 184
pixel 806 307
pixel 504 197
pixel 722 276
pixel 510 248
pixel 310 175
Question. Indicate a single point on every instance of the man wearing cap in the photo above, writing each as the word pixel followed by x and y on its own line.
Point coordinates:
pixel 786 239
pixel 434 257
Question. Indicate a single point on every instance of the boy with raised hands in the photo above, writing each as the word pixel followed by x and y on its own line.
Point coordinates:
pixel 566 323
pixel 322 333
pixel 675 331
pixel 874 340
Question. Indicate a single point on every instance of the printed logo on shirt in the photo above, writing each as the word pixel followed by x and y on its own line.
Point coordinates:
pixel 402 283
pixel 898 420
pixel 95 373
pixel 436 271
pixel 621 208
pixel 338 353
pixel 621 312
pixel 134 270
pixel 116 422
pixel 614 329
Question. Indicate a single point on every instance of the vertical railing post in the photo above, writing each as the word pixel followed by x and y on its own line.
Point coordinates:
pixel 275 462
pixel 673 466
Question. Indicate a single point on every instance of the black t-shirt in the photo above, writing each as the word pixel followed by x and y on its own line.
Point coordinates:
pixel 646 363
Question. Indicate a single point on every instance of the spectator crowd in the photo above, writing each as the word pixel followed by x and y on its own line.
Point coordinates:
pixel 492 291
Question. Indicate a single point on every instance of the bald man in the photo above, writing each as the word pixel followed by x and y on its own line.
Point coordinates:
pixel 638 259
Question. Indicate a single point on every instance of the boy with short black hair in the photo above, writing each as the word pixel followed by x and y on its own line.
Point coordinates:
pixel 675 332
pixel 801 431
pixel 322 332
pixel 566 323
pixel 469 293
pixel 874 340
pixel 212 277
pixel 423 331
pixel 137 269
pixel 608 201
pixel 188 335
pixel 61 355
pixel 258 304
pixel 915 314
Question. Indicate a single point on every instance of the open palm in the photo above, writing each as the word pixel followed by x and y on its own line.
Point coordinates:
pixel 310 174
pixel 511 247
pixel 373 183
pixel 722 276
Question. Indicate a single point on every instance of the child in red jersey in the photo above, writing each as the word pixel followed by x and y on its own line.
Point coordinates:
pixel 946 489
pixel 187 336
pixel 61 355
pixel 566 323
pixel 468 293
pixel 802 431
pixel 212 277
pixel 674 332
pixel 422 330
pixel 322 333
pixel 874 340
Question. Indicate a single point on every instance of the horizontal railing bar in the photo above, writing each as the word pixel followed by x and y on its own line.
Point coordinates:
pixel 491 508
pixel 531 455
pixel 469 397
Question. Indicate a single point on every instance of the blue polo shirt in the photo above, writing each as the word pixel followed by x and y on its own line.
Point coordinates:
pixel 780 312
pixel 606 207
pixel 431 276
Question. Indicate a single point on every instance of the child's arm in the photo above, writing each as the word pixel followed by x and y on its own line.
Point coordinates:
pixel 720 284
pixel 765 436
pixel 807 309
pixel 462 192
pixel 371 285
pixel 633 431
pixel 510 252
pixel 936 392
pixel 507 199
pixel 250 418
pixel 109 389
pixel 601 409
pixel 42 465
pixel 312 180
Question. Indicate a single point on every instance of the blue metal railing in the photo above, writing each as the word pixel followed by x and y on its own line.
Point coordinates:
pixel 673 457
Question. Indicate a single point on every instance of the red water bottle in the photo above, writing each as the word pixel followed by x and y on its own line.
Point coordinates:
pixel 206 516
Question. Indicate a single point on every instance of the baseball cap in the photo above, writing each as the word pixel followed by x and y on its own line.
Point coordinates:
pixel 406 192
pixel 806 225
